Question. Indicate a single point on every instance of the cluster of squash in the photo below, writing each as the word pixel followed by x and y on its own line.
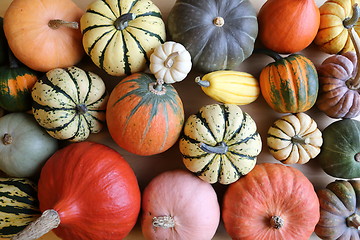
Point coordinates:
pixel 87 190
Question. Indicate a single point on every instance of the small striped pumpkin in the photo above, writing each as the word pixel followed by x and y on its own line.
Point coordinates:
pixel 120 36
pixel 18 205
pixel 220 143
pixel 70 103
pixel 290 84
pixel 143 116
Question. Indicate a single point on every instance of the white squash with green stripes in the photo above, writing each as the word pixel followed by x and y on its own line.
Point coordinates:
pixel 19 205
pixel 120 36
pixel 70 103
pixel 220 143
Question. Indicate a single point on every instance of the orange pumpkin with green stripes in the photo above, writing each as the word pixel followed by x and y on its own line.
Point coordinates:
pixel 290 84
pixel 143 115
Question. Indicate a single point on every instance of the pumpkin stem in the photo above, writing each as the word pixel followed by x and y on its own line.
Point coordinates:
pixel 163 221
pixel 49 220
pixel 350 22
pixel 276 222
pixel 202 83
pixel 354 83
pixel 218 21
pixel 353 221
pixel 123 21
pixel 221 148
pixel 300 140
pixel 57 23
pixel 81 109
pixel 274 55
pixel 7 139
pixel 357 157
pixel 170 59
pixel 157 87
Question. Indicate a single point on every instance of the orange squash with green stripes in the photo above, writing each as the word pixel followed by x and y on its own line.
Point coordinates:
pixel 143 115
pixel 290 84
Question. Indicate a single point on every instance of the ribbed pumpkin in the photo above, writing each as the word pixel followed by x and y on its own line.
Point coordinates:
pixel 290 84
pixel 70 103
pixel 340 153
pixel 144 116
pixel 232 87
pixel 339 210
pixel 294 138
pixel 272 202
pixel 339 77
pixel 336 18
pixel 16 82
pixel 119 36
pixel 220 143
pixel 218 34
pixel 19 205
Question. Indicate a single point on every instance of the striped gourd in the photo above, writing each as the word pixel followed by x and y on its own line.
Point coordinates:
pixel 290 84
pixel 231 87
pixel 18 205
pixel 70 103
pixel 294 138
pixel 220 143
pixel 120 36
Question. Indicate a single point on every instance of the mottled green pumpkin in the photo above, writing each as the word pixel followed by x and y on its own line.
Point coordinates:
pixel 339 210
pixel 340 153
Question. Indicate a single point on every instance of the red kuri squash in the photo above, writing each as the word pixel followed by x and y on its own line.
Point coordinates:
pixel 272 202
pixel 86 191
pixel 144 116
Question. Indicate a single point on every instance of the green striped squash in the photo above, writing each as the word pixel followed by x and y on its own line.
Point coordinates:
pixel 290 84
pixel 18 205
pixel 220 143
pixel 70 103
pixel 120 36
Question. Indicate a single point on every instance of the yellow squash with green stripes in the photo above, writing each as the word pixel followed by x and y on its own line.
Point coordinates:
pixel 232 87
pixel 18 205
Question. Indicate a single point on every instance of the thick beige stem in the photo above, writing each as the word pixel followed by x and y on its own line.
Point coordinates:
pixel 49 220
pixel 57 23
pixel 164 222
pixel 170 59
pixel 218 21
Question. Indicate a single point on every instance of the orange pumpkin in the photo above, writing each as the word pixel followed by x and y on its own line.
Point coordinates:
pixel 272 202
pixel 44 34
pixel 288 26
pixel 143 116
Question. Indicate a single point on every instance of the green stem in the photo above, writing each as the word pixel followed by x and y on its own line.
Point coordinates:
pixel 221 148
pixel 276 56
pixel 123 21
pixel 157 87
pixel 202 83
pixel 354 83
pixel 350 22
pixel 300 140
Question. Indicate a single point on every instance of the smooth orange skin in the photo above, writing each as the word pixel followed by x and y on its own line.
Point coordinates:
pixel 37 45
pixel 288 26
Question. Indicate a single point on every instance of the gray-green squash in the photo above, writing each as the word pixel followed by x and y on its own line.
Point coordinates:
pixel 218 34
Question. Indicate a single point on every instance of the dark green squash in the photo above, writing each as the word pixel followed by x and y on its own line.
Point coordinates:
pixel 340 153
pixel 339 210
pixel 218 34
pixel 18 205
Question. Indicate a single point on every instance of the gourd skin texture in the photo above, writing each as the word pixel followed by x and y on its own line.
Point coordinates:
pixel 333 37
pixel 288 26
pixel 93 189
pixel 191 202
pixel 70 103
pixel 290 84
pixel 19 205
pixel 339 208
pixel 141 121
pixel 224 127
pixel 37 45
pixel 29 147
pixel 124 50
pixel 271 189
pixel 339 153
pixel 191 23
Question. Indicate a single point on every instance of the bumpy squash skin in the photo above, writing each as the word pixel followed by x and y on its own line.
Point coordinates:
pixel 339 209
pixel 339 156
pixel 18 205
pixel 141 121
pixel 290 84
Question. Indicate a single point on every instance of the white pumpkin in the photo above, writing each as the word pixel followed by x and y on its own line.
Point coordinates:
pixel 170 62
